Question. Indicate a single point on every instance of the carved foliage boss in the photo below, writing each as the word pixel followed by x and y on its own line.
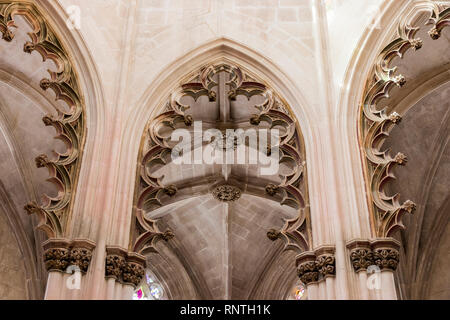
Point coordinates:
pixel 272 112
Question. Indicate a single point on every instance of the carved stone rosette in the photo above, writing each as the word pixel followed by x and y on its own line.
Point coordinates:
pixel 226 193
pixel 60 254
pixel 123 266
pixel 69 124
pixel 383 253
pixel 376 123
pixel 315 266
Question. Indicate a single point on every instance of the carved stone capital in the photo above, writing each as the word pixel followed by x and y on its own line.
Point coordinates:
pixel 326 264
pixel 56 259
pixel 361 255
pixel 81 253
pixel 326 261
pixel 382 253
pixel 134 269
pixel 227 193
pixel 386 253
pixel 307 268
pixel 59 254
pixel 113 267
pixel 123 266
pixel 317 265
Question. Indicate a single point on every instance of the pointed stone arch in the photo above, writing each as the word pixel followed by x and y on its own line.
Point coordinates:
pixel 71 72
pixel 225 52
pixel 388 98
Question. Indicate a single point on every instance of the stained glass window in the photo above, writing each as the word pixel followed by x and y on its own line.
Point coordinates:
pixel 149 289
pixel 298 292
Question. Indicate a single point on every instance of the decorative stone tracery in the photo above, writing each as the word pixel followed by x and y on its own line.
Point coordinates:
pixel 272 112
pixel 64 167
pixel 376 124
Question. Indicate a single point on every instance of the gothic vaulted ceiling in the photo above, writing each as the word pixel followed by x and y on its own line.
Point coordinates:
pixel 423 136
pixel 220 213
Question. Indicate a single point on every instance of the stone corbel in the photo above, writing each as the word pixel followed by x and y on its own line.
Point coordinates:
pixel 382 253
pixel 125 267
pixel 315 266
pixel 60 254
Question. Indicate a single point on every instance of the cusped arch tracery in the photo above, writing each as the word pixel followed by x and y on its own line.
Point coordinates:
pixel 377 120
pixel 404 119
pixel 223 96
pixel 68 121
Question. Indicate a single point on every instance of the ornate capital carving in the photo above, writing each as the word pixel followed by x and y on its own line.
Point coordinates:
pixel 134 269
pixel 386 253
pixel 125 267
pixel 361 255
pixel 113 267
pixel 56 259
pixel 115 260
pixel 361 258
pixel 69 125
pixel 307 268
pixel 326 261
pixel 316 266
pixel 382 253
pixel 59 254
pixel 376 124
